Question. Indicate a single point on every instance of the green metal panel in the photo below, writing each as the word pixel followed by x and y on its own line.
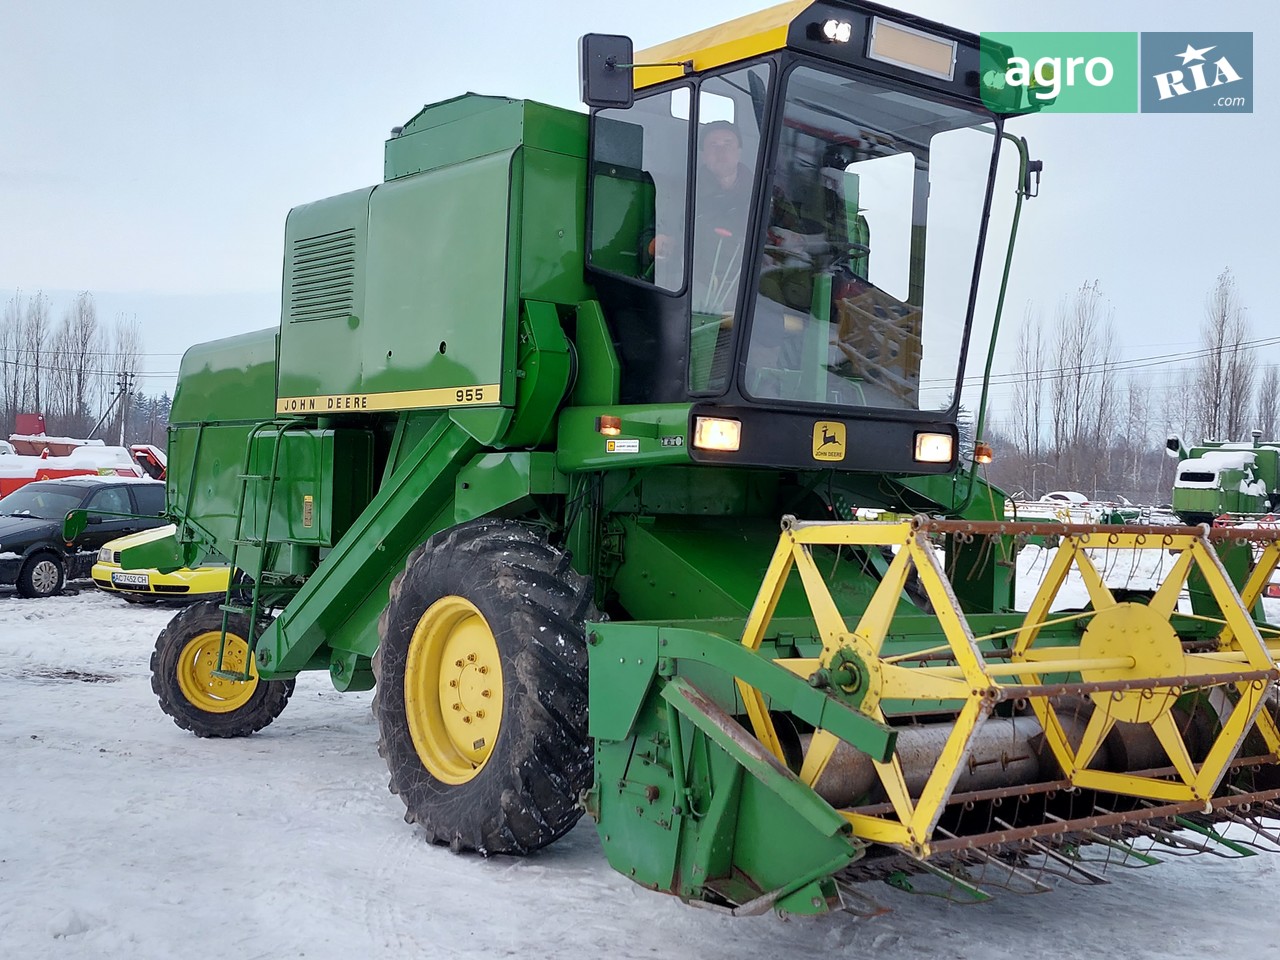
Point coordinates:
pixel 686 800
pixel 552 223
pixel 203 487
pixel 438 297
pixel 556 129
pixel 226 380
pixel 447 133
pixel 503 484
pixel 325 481
pixel 322 300
pixel 678 567
pixel 473 126
pixel 598 368
pixel 545 366
pixel 651 435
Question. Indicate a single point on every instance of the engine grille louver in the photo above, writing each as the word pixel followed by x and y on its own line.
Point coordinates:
pixel 323 277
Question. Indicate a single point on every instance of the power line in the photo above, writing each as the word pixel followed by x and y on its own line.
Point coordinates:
pixel 51 368
pixel 1134 363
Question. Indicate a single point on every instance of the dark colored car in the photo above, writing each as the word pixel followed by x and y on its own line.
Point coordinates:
pixel 34 556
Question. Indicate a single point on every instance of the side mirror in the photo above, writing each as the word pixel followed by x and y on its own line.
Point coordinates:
pixel 1173 448
pixel 93 519
pixel 1031 186
pixel 605 70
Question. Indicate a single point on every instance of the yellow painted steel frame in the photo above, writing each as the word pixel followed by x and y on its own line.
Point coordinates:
pixel 739 39
pixel 1129 648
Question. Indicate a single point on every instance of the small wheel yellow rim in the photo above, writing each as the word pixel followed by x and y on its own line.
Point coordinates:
pixel 453 690
pixel 197 663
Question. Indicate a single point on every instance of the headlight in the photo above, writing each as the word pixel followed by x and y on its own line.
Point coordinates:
pixel 933 447
pixel 714 433
pixel 104 555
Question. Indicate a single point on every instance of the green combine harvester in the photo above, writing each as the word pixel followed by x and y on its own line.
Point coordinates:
pixel 562 442
pixel 1240 481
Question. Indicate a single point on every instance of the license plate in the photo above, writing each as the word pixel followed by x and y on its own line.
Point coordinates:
pixel 129 579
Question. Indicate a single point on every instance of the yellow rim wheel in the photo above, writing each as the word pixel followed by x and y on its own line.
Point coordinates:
pixel 196 666
pixel 453 690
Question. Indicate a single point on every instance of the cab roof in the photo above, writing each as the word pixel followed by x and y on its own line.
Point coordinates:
pixel 798 25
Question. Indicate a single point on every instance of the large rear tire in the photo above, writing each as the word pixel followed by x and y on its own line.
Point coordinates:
pixel 182 666
pixel 482 688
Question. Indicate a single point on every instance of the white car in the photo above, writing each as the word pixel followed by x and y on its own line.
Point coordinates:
pixel 1064 496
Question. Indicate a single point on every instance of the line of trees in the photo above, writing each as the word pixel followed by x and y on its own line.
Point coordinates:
pixel 1082 420
pixel 72 369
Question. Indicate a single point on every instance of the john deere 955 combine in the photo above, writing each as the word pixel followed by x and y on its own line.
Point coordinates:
pixel 561 442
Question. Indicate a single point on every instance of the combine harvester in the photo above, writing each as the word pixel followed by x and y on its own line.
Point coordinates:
pixel 561 441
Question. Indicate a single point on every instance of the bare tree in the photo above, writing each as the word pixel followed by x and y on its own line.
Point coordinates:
pixel 84 349
pixel 1028 392
pixel 1082 393
pixel 1137 432
pixel 12 372
pixel 33 352
pixel 1224 375
pixel 1269 402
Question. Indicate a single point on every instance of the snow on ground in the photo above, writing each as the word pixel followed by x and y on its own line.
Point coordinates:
pixel 123 836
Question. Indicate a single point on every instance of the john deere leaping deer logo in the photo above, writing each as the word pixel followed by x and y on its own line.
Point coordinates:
pixel 828 440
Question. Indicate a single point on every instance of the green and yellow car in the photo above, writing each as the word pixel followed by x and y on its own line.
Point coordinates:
pixel 147 586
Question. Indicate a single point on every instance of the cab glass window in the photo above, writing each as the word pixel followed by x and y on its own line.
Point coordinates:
pixel 839 306
pixel 640 171
pixel 730 111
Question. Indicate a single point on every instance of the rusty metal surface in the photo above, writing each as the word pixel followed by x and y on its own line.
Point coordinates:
pixel 1101 821
pixel 1000 753
pixel 1001 692
pixel 1094 531
pixel 1054 786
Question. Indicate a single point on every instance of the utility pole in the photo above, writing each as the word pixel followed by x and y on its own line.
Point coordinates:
pixel 124 384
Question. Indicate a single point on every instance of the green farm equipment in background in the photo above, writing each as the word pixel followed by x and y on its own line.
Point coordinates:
pixel 562 440
pixel 1215 479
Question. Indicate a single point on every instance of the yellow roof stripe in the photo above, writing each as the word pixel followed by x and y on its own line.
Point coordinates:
pixel 748 36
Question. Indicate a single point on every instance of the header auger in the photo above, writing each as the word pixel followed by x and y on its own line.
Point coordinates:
pixel 518 452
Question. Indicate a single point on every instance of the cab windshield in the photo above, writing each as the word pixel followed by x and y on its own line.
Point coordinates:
pixel 838 307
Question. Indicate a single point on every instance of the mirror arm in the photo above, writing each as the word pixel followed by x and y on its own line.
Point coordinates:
pixel 687 65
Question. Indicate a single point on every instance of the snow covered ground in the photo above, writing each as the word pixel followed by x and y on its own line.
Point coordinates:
pixel 122 836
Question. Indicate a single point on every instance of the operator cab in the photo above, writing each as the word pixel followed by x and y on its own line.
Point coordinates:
pixel 759 231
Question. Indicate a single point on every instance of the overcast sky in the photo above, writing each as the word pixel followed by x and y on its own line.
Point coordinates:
pixel 149 151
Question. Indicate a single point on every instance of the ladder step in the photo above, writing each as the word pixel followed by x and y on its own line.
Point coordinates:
pixel 233 608
pixel 232 675
pixel 249 542
pixel 256 476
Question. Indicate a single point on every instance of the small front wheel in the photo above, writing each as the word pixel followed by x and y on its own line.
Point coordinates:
pixel 184 671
